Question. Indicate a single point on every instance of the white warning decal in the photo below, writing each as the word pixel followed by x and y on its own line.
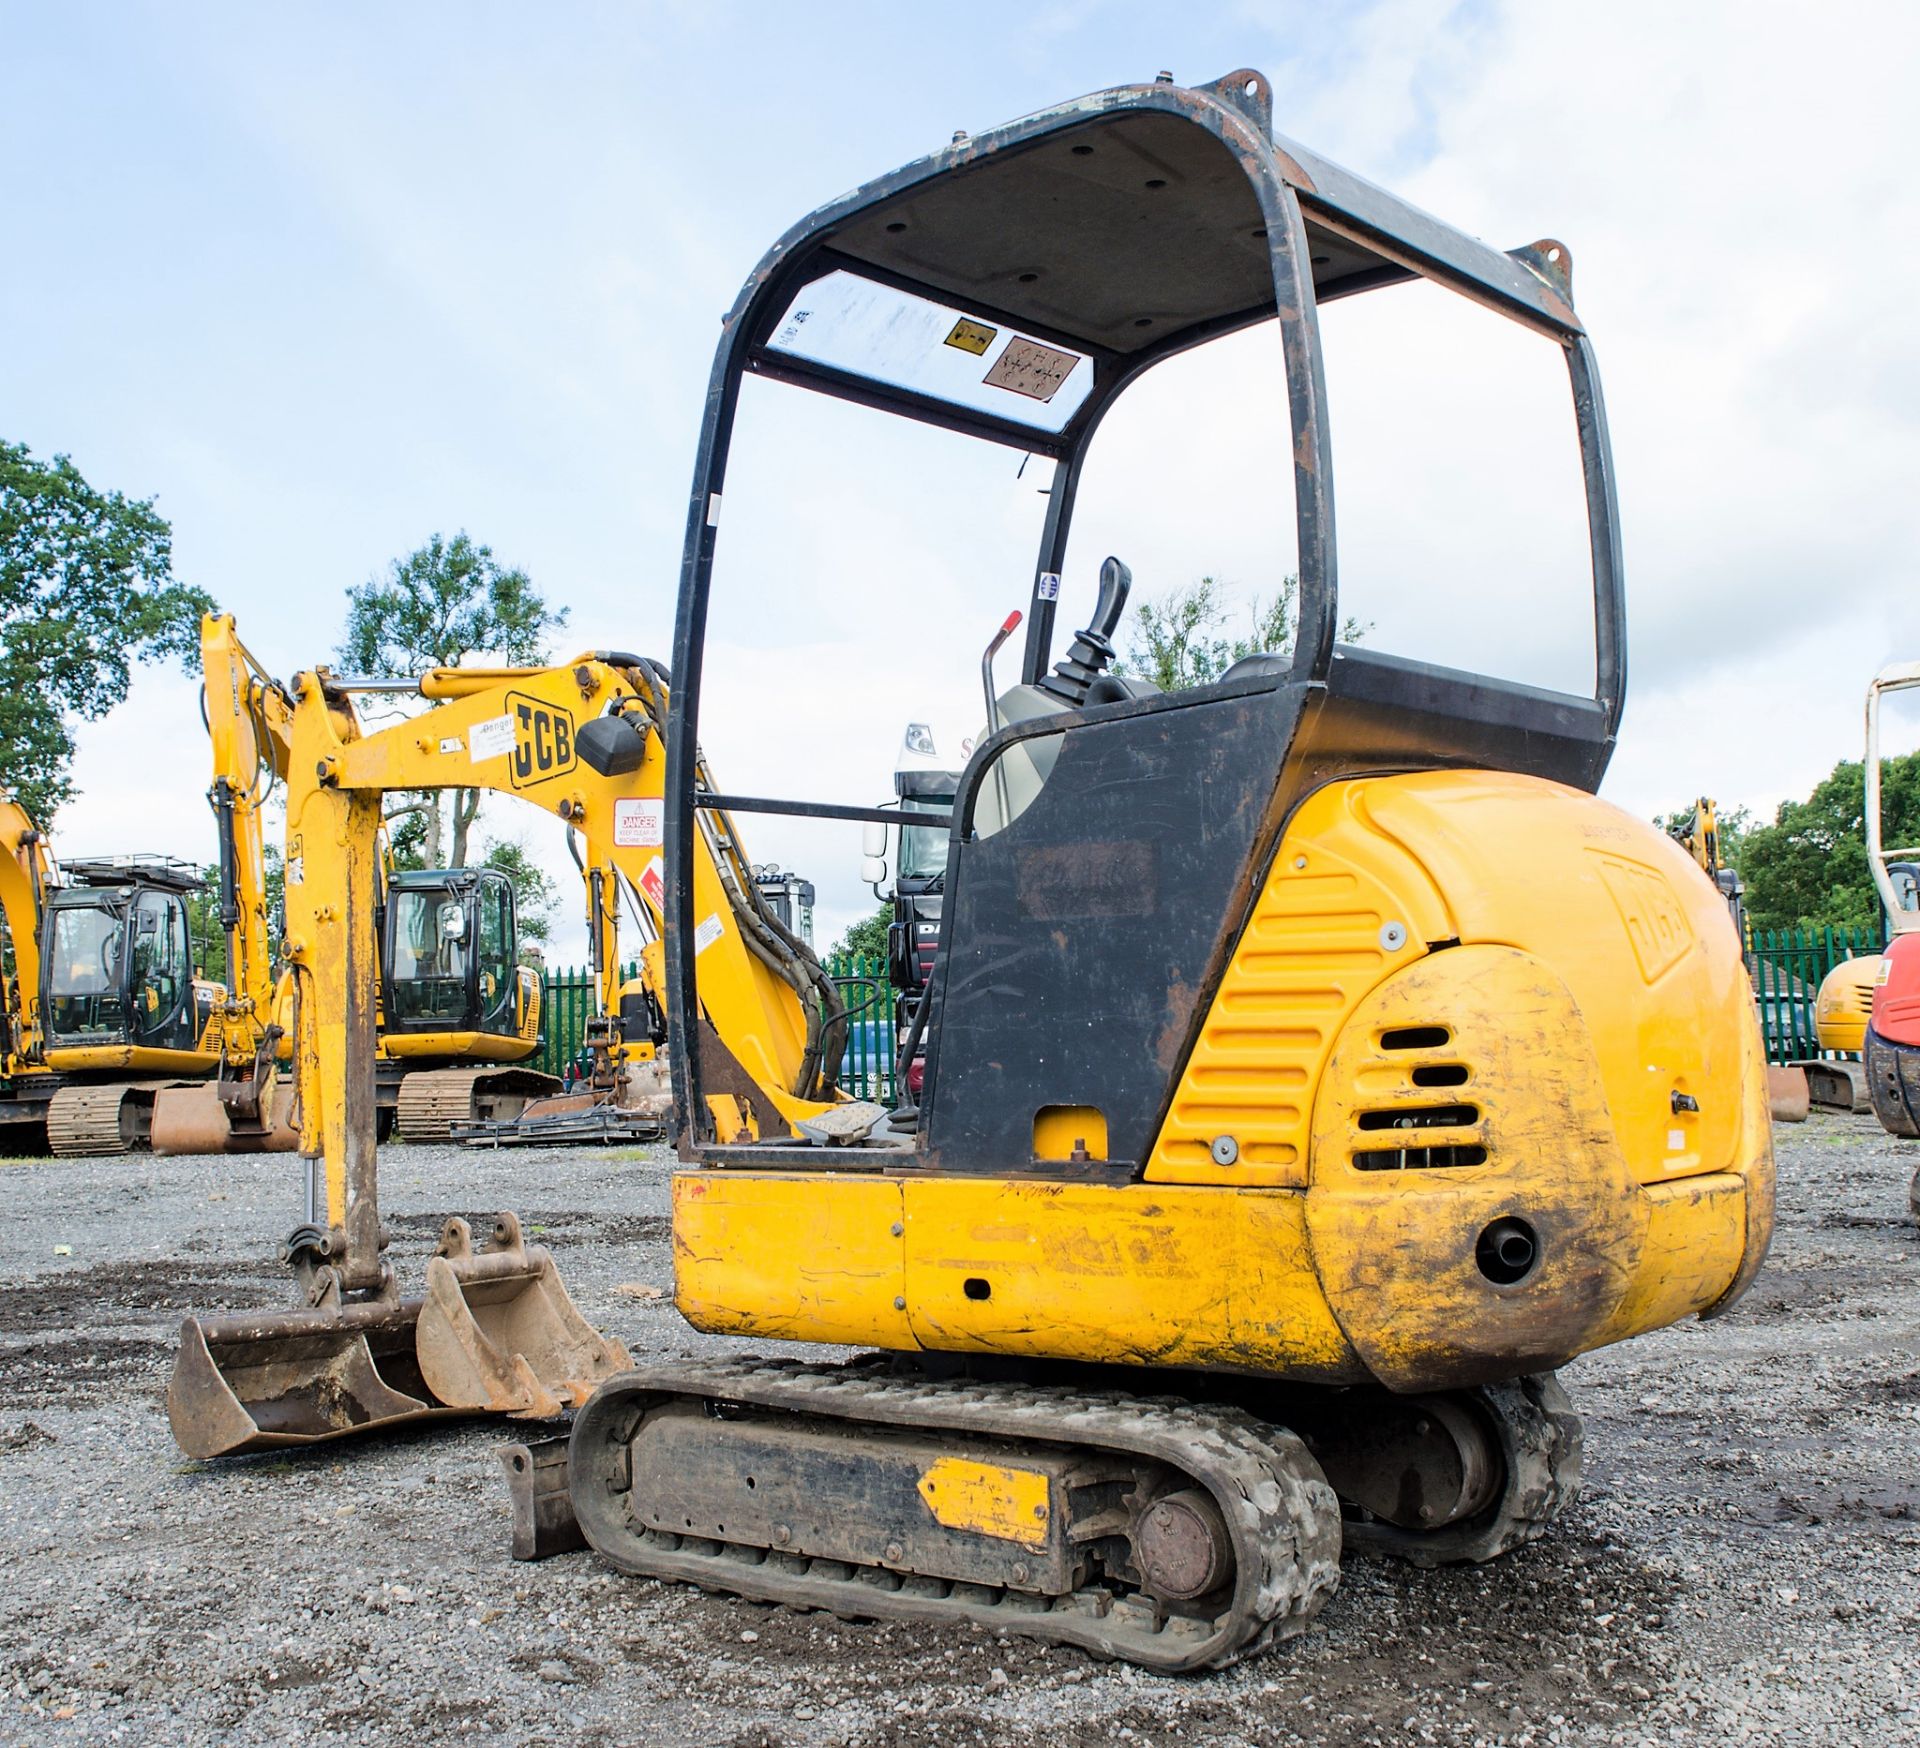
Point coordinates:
pixel 491 739
pixel 451 744
pixel 638 824
pixel 707 933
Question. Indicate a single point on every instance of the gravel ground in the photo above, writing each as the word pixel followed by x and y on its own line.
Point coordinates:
pixel 1741 1567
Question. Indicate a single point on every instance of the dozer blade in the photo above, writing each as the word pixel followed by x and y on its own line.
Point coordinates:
pixel 254 1382
pixel 499 1334
pixel 192 1119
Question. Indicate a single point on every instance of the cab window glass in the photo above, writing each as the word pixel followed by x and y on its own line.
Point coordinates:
pixel 160 973
pixel 496 950
pixel 1459 497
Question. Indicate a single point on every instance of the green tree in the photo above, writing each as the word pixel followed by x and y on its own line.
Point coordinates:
pixel 868 935
pixel 450 599
pixel 1181 639
pixel 1808 869
pixel 86 590
pixel 535 895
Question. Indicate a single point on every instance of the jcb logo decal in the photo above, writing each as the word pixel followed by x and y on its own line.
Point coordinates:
pixel 542 740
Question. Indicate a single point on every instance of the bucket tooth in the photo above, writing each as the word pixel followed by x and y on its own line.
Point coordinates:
pixel 257 1382
pixel 499 1333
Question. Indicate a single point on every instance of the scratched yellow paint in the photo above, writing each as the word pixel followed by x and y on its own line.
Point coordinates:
pixel 797 1256
pixel 1578 979
pixel 1693 1227
pixel 988 1499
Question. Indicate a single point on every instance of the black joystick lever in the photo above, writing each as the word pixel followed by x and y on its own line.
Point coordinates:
pixel 1092 648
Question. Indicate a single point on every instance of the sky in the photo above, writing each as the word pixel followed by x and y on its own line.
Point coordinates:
pixel 325 280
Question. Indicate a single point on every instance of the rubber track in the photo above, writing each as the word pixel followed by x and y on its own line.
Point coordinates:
pixel 1540 1438
pixel 432 1100
pixel 1284 1518
pixel 86 1120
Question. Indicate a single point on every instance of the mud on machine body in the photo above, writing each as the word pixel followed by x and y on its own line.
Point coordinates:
pixel 1313 1064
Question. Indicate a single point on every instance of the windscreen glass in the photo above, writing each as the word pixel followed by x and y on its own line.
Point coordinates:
pixel 862 564
pixel 84 961
pixel 427 970
pixel 1459 500
pixel 894 337
pixel 923 848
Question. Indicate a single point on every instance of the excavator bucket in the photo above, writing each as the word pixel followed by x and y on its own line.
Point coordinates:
pixel 195 1119
pixel 498 1332
pixel 256 1382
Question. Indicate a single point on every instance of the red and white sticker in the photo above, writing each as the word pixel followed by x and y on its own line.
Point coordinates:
pixel 638 824
pixel 653 883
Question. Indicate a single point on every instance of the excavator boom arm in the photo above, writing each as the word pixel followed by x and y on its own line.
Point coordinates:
pixel 25 873
pixel 581 740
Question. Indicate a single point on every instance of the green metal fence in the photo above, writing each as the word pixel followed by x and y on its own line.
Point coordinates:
pixel 1788 966
pixel 866 1069
pixel 566 1004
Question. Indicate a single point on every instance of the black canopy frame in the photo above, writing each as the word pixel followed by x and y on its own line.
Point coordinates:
pixel 1047 227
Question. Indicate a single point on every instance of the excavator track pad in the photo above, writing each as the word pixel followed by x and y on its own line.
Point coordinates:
pixel 109 1118
pixel 432 1100
pixel 1175 1535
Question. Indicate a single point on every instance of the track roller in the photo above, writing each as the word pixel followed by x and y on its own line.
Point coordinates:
pixel 1172 1534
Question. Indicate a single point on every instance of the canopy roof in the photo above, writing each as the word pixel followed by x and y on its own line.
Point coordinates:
pixel 1122 227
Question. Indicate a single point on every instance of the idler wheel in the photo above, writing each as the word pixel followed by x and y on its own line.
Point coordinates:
pixel 1181 1546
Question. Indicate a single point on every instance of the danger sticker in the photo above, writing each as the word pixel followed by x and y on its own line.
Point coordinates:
pixel 974 337
pixel 491 739
pixel 653 883
pixel 638 824
pixel 706 933
pixel 1028 368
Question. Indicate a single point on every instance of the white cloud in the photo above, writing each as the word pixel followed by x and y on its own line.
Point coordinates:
pixel 475 279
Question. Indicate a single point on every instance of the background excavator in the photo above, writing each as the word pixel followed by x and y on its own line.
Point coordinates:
pixel 103 1008
pixel 1891 1045
pixel 495 1330
pixel 458 1015
pixel 1313 1062
pixel 1844 1007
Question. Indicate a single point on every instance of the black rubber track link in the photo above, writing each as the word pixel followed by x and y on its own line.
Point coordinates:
pixel 1282 1517
pixel 1539 1436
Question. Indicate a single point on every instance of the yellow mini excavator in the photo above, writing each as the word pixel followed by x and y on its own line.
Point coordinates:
pixel 1313 1064
pixel 458 1015
pixel 495 1331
